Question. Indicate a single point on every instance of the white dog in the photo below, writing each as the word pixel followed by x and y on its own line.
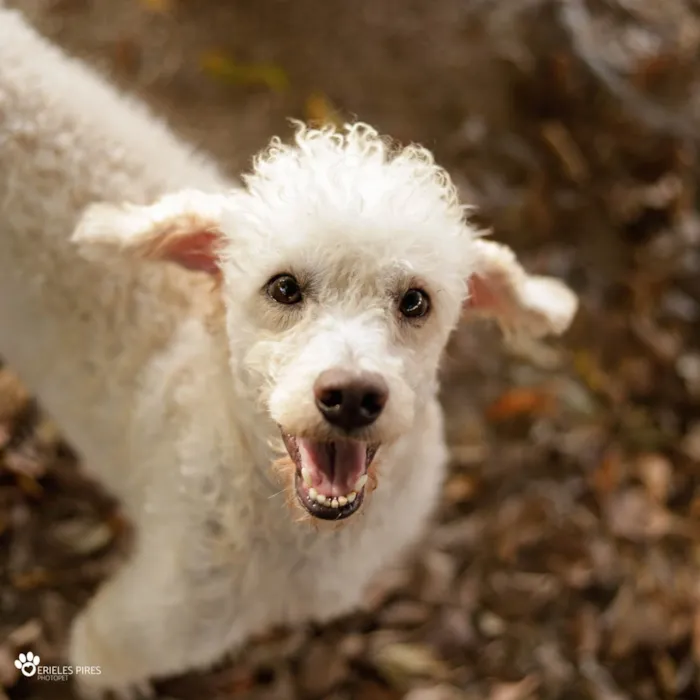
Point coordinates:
pixel 229 361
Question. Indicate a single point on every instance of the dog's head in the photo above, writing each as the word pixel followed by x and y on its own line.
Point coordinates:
pixel 345 263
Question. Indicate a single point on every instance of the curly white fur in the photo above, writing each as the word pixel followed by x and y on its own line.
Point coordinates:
pixel 172 387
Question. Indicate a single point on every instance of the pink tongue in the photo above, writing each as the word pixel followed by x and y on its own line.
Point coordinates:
pixel 334 467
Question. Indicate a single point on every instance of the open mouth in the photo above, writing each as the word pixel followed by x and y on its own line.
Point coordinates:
pixel 330 477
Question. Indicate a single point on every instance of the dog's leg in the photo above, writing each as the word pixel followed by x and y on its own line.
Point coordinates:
pixel 149 621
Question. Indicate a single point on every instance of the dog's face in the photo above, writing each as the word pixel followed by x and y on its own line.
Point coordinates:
pixel 341 320
pixel 346 277
pixel 344 266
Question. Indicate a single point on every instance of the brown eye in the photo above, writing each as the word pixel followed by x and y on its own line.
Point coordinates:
pixel 414 303
pixel 284 289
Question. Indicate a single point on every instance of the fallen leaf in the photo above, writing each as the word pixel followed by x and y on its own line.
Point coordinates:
pixel 25 635
pixel 370 690
pixel 691 442
pixel 401 662
pixel 634 516
pixel 322 668
pixel 221 67
pixel 562 143
pixel 460 488
pixel 491 625
pixel 405 613
pixel 436 692
pixel 29 486
pixel 320 111
pixel 609 474
pixel 82 536
pixel 31 580
pixel 126 56
pixel 591 373
pixel 25 463
pixel 655 472
pixel 161 7
pixel 515 691
pixel 520 402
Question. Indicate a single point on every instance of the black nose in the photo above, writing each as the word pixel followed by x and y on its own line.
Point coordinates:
pixel 350 401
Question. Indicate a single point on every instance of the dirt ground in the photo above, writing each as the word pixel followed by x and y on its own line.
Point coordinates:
pixel 564 562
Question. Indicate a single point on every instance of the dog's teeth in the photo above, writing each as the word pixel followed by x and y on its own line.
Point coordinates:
pixel 334 503
pixel 342 501
pixel 306 476
pixel 313 494
pixel 320 498
pixel 360 483
pixel 351 497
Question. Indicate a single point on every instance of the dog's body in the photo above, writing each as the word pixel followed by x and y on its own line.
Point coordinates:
pixel 174 393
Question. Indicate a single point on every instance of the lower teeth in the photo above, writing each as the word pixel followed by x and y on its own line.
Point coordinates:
pixel 339 502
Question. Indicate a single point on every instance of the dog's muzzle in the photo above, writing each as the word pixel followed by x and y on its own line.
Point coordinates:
pixel 331 477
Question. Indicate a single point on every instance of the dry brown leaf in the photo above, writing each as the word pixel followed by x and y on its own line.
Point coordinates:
pixel 369 690
pixel 609 474
pixel 322 668
pixel 161 7
pixel 691 442
pixel 460 488
pixel 562 143
pixel 84 537
pixel 591 373
pixel 320 111
pixel 491 625
pixel 26 634
pixel 656 474
pixel 405 613
pixel 436 692
pixel 522 690
pixel 32 579
pixel 222 67
pixel 438 576
pixel 522 401
pixel 401 662
pixel 29 486
pixel 631 514
pixel 126 56
pixel 25 462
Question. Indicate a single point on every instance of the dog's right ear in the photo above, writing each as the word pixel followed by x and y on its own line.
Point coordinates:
pixel 524 305
pixel 184 228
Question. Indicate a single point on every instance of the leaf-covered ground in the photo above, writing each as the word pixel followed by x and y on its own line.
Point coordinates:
pixel 564 562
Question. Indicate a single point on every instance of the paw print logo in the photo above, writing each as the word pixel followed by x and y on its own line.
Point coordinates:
pixel 27 664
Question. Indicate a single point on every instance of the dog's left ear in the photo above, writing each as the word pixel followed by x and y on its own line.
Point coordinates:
pixel 184 228
pixel 524 305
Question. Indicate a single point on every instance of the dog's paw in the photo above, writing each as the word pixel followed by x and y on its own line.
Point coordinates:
pixel 115 675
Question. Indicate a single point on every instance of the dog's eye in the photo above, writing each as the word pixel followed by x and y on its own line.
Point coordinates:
pixel 414 303
pixel 284 289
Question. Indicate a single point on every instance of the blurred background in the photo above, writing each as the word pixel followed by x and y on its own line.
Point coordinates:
pixel 565 561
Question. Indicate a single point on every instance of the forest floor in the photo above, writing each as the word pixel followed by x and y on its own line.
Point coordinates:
pixel 564 562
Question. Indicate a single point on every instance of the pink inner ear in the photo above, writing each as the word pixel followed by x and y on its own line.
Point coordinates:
pixel 195 251
pixel 480 295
